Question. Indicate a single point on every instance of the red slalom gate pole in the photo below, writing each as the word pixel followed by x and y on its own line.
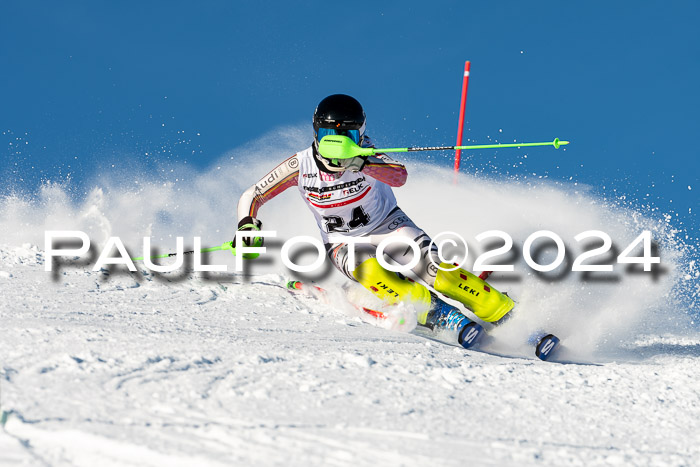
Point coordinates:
pixel 460 127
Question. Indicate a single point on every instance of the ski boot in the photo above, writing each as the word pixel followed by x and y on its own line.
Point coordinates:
pixel 444 316
pixel 430 310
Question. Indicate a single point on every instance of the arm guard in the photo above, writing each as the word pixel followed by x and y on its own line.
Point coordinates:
pixel 275 182
pixel 381 167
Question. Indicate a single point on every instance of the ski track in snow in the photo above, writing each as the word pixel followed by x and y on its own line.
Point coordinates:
pixel 115 368
pixel 129 369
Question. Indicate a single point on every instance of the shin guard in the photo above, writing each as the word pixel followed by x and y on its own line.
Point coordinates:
pixel 486 302
pixel 392 288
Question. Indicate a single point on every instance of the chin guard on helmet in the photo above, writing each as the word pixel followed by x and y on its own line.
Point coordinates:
pixel 353 164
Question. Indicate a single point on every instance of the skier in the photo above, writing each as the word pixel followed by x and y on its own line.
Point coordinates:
pixel 354 198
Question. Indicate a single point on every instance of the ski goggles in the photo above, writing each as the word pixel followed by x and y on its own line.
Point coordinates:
pixel 352 134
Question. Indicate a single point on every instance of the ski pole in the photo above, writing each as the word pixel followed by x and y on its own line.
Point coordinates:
pixel 342 147
pixel 556 143
pixel 223 246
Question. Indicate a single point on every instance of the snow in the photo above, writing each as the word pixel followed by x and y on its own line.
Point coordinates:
pixel 118 368
pixel 129 370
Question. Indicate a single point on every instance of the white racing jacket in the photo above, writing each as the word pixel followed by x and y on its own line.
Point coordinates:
pixel 345 203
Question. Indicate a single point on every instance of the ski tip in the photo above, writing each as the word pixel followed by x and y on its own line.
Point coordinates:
pixel 546 346
pixel 375 313
pixel 470 335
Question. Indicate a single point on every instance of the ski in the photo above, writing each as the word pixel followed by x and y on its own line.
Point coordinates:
pixel 545 343
pixel 299 286
pixel 467 332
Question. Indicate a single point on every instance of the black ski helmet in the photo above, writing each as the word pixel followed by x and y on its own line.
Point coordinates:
pixel 339 112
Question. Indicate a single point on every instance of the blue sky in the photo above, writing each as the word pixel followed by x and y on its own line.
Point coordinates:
pixel 87 83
